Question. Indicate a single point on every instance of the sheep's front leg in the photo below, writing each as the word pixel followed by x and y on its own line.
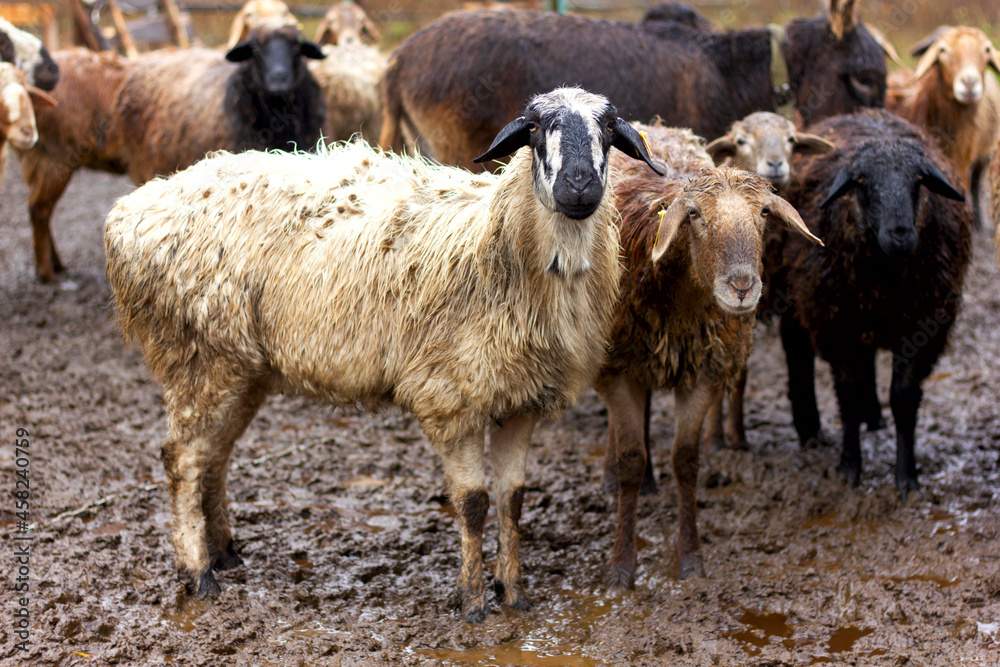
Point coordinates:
pixel 46 180
pixel 509 451
pixel 692 405
pixel 853 377
pixel 904 399
pixel 466 482
pixel 626 401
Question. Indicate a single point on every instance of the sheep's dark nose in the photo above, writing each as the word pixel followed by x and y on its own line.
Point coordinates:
pixel 580 180
pixel 775 164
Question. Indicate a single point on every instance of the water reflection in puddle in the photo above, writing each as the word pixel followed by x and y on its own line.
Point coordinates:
pixel 547 642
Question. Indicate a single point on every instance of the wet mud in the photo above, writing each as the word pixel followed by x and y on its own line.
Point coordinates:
pixel 351 549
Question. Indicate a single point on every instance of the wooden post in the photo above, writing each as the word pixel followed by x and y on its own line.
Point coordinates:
pixel 123 34
pixel 562 6
pixel 178 24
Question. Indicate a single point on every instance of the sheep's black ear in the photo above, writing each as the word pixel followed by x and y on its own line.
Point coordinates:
pixel 514 136
pixel 842 184
pixel 932 179
pixel 311 50
pixel 627 139
pixel 240 52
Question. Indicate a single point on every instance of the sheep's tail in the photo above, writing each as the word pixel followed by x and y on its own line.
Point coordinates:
pixel 391 137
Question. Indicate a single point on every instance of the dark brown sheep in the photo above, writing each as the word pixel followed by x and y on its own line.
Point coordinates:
pixel 166 110
pixel 691 247
pixel 898 241
pixel 451 86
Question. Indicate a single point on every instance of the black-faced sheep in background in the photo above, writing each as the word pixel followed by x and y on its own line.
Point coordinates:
pixel 691 246
pixel 956 99
pixel 451 86
pixel 356 276
pixel 898 241
pixel 166 110
pixel 29 55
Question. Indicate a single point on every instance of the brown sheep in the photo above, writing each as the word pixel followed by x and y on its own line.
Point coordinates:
pixel 953 96
pixel 165 110
pixel 474 301
pixel 691 247
pixel 764 143
pixel 452 85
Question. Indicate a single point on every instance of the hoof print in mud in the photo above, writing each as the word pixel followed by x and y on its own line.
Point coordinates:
pixel 690 566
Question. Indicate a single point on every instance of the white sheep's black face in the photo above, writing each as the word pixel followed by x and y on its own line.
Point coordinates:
pixel 571 133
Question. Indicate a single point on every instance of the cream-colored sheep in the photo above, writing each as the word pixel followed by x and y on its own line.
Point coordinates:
pixel 17 112
pixel 349 77
pixel 355 276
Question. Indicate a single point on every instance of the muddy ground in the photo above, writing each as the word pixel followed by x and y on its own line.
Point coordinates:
pixel 351 550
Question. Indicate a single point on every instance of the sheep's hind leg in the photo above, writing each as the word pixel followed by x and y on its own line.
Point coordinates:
pixel 801 362
pixel 203 426
pixel 626 402
pixel 509 451
pixel 691 408
pixel 466 482
pixel 649 486
pixel 46 180
pixel 221 548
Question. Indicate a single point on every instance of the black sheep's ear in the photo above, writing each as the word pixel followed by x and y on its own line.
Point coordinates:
pixel 240 52
pixel 311 50
pixel 932 179
pixel 514 136
pixel 627 139
pixel 842 184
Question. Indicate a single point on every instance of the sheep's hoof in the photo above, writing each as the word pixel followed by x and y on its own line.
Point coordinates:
pixel 225 559
pixel 619 579
pixel 690 565
pixel 649 487
pixel 876 423
pixel 474 613
pixel 208 587
pixel 512 596
pixel 905 484
pixel 849 474
pixel 818 440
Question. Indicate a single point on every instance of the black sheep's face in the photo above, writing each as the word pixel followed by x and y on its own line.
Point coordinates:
pixel 29 56
pixel 831 76
pixel 570 132
pixel 275 58
pixel 45 71
pixel 887 179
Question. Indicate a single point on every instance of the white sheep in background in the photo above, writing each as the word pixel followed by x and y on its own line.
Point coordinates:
pixel 355 276
pixel 17 112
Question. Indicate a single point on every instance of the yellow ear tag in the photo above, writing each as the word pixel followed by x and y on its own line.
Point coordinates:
pixel 645 142
pixel 659 226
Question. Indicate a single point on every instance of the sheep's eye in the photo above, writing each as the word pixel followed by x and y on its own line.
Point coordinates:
pixel 791 140
pixel 765 211
pixel 532 125
pixel 741 141
pixel 692 212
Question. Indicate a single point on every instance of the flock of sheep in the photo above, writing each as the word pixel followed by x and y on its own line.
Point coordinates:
pixel 623 256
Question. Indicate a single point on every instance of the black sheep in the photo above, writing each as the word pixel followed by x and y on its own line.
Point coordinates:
pixel 453 85
pixel 898 241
